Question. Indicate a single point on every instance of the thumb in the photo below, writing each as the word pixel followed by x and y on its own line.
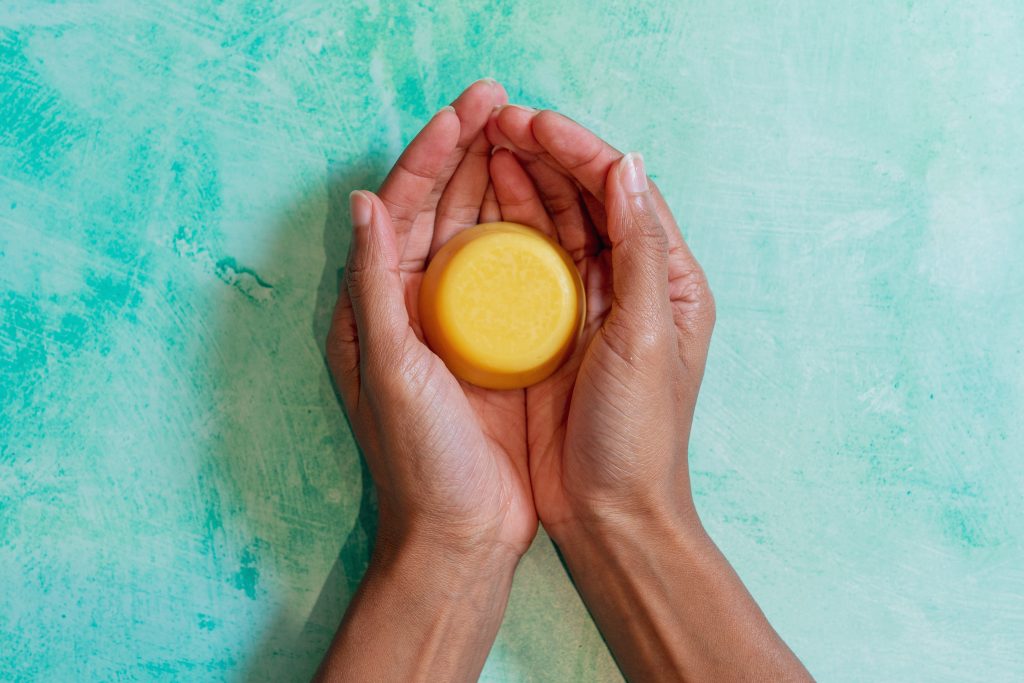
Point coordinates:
pixel 374 284
pixel 639 244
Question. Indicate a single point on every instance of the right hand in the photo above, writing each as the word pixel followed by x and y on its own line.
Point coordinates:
pixel 448 459
pixel 608 432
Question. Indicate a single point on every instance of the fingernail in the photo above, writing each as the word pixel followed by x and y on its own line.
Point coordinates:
pixel 519 106
pixel 442 110
pixel 489 81
pixel 360 207
pixel 634 178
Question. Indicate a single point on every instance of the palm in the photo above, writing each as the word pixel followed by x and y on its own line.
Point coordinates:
pixel 548 201
pixel 548 404
pixel 499 415
pixel 499 424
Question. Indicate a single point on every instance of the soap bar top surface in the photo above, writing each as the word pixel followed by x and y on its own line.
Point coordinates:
pixel 502 304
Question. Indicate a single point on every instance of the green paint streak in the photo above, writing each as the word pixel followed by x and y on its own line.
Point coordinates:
pixel 36 130
pixel 248 575
pixel 206 622
pixel 245 280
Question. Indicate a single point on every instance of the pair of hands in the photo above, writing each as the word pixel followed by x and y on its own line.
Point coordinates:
pixel 597 452
pixel 600 443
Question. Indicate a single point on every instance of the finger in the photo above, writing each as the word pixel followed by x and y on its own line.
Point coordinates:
pixel 459 207
pixel 375 286
pixel 474 107
pixel 511 127
pixel 598 216
pixel 639 249
pixel 564 202
pixel 574 152
pixel 582 154
pixel 407 190
pixel 580 232
pixel 548 138
pixel 494 133
pixel 343 349
pixel 413 188
pixel 490 211
pixel 517 195
pixel 589 160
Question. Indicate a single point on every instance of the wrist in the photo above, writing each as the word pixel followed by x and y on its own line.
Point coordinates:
pixel 441 554
pixel 664 507
pixel 644 523
pixel 425 610
pixel 668 603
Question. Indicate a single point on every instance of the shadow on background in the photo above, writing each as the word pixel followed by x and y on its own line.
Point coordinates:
pixel 352 560
pixel 258 481
pixel 268 504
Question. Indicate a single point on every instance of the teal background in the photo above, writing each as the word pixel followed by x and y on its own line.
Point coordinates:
pixel 180 498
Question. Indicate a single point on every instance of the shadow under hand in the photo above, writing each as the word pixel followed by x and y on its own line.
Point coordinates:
pixel 352 560
pixel 293 643
pixel 290 649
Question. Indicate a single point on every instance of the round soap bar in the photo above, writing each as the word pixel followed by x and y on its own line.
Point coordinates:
pixel 502 305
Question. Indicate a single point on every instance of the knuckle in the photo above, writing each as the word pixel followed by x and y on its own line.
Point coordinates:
pixel 710 310
pixel 356 275
pixel 341 336
pixel 459 212
pixel 338 340
pixel 558 204
pixel 361 281
pixel 653 240
pixel 692 287
pixel 695 314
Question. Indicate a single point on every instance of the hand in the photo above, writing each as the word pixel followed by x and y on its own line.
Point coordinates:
pixel 608 432
pixel 448 458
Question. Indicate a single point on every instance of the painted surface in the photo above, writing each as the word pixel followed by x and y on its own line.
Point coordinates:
pixel 180 498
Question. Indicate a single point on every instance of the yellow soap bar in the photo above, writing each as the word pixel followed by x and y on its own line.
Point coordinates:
pixel 502 304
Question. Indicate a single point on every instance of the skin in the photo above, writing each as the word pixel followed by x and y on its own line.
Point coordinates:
pixel 609 432
pixel 448 459
pixel 597 452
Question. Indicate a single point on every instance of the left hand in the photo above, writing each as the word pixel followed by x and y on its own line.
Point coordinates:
pixel 608 431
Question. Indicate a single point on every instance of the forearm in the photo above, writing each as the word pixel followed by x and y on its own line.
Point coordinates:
pixel 421 614
pixel 670 606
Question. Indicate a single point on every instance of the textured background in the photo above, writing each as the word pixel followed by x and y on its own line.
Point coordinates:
pixel 180 498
